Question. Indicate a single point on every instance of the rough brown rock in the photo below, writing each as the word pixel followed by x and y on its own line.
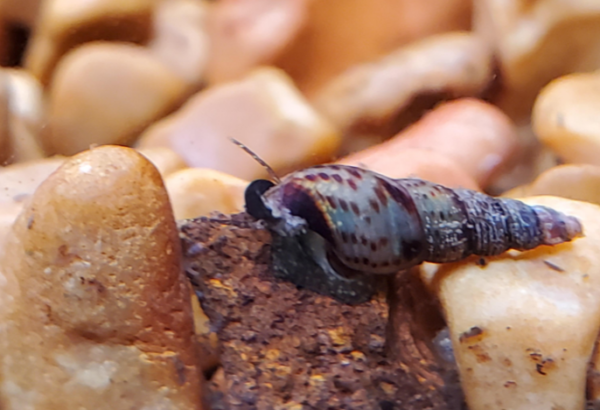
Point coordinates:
pixel 95 309
pixel 5 143
pixel 26 116
pixel 19 182
pixel 21 11
pixel 412 162
pixel 283 347
pixel 164 159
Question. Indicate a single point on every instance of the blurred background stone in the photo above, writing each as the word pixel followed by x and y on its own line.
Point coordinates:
pixel 580 182
pixel 264 111
pixel 65 24
pixel 107 93
pixel 339 34
pixel 375 94
pixel 537 41
pixel 513 318
pixel 23 12
pixel 180 39
pixel 247 33
pixel 565 117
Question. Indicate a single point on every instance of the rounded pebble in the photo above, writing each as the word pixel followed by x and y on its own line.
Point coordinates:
pixel 513 319
pixel 96 309
pixel 106 93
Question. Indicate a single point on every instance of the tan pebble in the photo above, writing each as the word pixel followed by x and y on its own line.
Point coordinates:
pixel 537 41
pixel 564 117
pixel 578 182
pixel 26 117
pixel 198 192
pixel 475 134
pixel 373 28
pixel 6 154
pixel 206 339
pixel 412 163
pixel 106 93
pixel 531 160
pixel 19 181
pixel 241 34
pixel 65 24
pixel 111 320
pixel 264 111
pixel 593 382
pixel 517 192
pixel 180 38
pixel 9 211
pixel 376 92
pixel 513 320
pixel 23 12
pixel 201 321
pixel 164 159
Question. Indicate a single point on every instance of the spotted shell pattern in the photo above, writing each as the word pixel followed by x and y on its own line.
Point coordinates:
pixel 378 224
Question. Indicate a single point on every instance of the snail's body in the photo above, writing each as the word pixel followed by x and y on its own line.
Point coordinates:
pixel 382 225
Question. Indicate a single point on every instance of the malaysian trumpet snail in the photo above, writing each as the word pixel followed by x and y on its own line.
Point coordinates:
pixel 374 224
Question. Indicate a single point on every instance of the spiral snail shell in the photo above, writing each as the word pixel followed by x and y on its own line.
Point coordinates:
pixel 375 224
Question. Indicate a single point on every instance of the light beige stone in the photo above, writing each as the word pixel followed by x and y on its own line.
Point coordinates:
pixel 164 159
pixel 412 163
pixel 197 192
pixel 340 34
pixel 23 12
pixel 26 116
pixel 474 134
pixel 65 24
pixel 459 63
pixel 565 117
pixel 19 181
pixel 537 41
pixel 9 211
pixel 578 182
pixel 110 326
pixel 264 111
pixel 524 325
pixel 180 38
pixel 106 93
pixel 249 33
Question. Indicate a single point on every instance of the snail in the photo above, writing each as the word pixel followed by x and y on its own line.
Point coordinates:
pixel 374 224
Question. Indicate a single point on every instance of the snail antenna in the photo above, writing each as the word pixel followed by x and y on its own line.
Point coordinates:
pixel 266 166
